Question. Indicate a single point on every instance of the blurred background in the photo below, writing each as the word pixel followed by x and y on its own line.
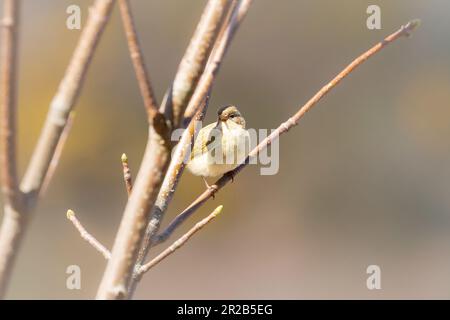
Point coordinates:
pixel 364 179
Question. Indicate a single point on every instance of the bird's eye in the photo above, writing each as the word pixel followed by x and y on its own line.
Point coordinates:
pixel 232 115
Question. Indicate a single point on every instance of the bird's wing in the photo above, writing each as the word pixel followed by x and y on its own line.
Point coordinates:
pixel 207 139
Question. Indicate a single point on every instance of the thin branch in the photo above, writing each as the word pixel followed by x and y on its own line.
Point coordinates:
pixel 87 236
pixel 135 217
pixel 13 207
pixel 180 242
pixel 171 179
pixel 284 127
pixel 66 97
pixel 221 46
pixel 8 65
pixel 194 61
pixel 15 221
pixel 126 174
pixel 57 155
pixel 138 60
pixel 195 106
pixel 148 182
pixel 119 271
pixel 204 86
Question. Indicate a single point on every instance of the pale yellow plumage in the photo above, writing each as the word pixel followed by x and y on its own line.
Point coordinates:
pixel 220 146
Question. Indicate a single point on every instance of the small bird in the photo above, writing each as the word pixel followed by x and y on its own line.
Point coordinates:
pixel 220 146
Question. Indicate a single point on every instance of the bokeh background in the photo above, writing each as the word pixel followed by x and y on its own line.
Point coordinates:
pixel 364 179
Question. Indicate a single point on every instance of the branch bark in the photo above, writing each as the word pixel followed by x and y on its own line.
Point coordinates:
pixel 122 265
pixel 87 236
pixel 148 180
pixel 12 198
pixel 66 97
pixel 127 178
pixel 15 219
pixel 180 242
pixel 178 161
pixel 8 62
pixel 138 60
pixel 194 61
pixel 284 127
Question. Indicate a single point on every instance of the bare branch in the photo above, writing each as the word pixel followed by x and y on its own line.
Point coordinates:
pixel 220 48
pixel 148 182
pixel 197 105
pixel 15 219
pixel 284 127
pixel 13 209
pixel 87 236
pixel 171 179
pixel 57 155
pixel 126 174
pixel 8 64
pixel 135 217
pixel 204 87
pixel 194 61
pixel 65 98
pixel 180 242
pixel 119 272
pixel 138 59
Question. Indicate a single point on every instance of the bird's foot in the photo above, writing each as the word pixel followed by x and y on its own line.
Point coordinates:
pixel 212 188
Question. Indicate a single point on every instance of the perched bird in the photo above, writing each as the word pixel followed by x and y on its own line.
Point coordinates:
pixel 221 146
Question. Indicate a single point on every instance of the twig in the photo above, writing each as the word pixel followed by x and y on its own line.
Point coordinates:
pixel 66 97
pixel 126 174
pixel 15 221
pixel 284 127
pixel 177 164
pixel 135 217
pixel 87 236
pixel 173 175
pixel 8 65
pixel 57 155
pixel 119 271
pixel 148 182
pixel 204 86
pixel 221 46
pixel 180 242
pixel 13 206
pixel 138 60
pixel 194 61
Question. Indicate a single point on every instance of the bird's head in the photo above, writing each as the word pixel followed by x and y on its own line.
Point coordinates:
pixel 230 113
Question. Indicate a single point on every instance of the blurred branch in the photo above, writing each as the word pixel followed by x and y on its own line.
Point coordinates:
pixel 220 48
pixel 180 242
pixel 138 59
pixel 119 271
pixel 13 218
pixel 194 61
pixel 172 177
pixel 126 174
pixel 284 127
pixel 178 161
pixel 148 180
pixel 65 98
pixel 58 152
pixel 87 236
pixel 14 223
pixel 136 215
pixel 8 62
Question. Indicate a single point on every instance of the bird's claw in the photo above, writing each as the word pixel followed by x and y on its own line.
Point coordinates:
pixel 213 189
